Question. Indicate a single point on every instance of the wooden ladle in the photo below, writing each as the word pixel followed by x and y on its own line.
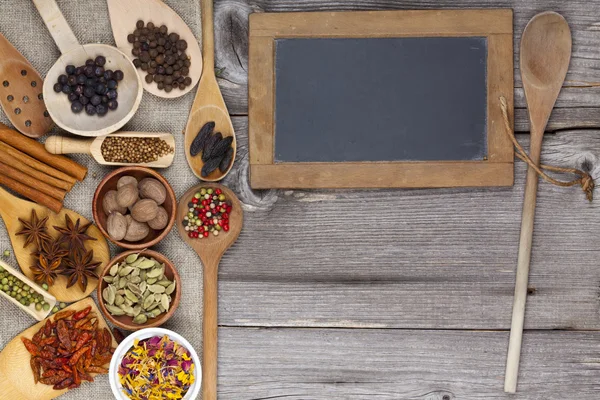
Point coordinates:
pixel 545 56
pixel 210 250
pixel 208 103
pixel 124 15
pixel 130 89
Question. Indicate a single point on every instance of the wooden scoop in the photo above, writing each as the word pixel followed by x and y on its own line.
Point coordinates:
pixel 545 56
pixel 130 89
pixel 13 208
pixel 16 376
pixel 208 104
pixel 93 147
pixel 124 15
pixel 21 92
pixel 210 250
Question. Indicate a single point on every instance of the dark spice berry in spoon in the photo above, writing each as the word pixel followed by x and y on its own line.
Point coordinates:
pixel 90 86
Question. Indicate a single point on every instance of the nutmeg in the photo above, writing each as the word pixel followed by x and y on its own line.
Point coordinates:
pixel 116 225
pixel 144 210
pixel 151 188
pixel 126 180
pixel 161 220
pixel 109 203
pixel 127 195
pixel 136 231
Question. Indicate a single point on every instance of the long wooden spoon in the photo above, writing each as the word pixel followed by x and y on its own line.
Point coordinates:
pixel 545 56
pixel 13 208
pixel 210 250
pixel 208 103
pixel 93 147
pixel 124 15
pixel 21 92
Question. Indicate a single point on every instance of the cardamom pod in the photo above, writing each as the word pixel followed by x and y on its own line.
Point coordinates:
pixel 156 289
pixel 140 319
pixel 114 310
pixel 132 257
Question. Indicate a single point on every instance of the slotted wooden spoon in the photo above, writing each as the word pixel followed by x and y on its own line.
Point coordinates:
pixel 208 104
pixel 12 208
pixel 16 376
pixel 93 147
pixel 545 56
pixel 123 16
pixel 21 92
pixel 210 250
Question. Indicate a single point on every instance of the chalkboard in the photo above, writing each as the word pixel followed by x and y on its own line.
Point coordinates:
pixel 385 99
pixel 380 99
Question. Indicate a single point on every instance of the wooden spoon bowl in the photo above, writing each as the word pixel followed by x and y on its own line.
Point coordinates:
pixel 210 250
pixel 130 89
pixel 123 17
pixel 110 183
pixel 21 92
pixel 125 322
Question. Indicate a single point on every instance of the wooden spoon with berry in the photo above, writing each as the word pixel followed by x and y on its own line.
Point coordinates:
pixel 213 205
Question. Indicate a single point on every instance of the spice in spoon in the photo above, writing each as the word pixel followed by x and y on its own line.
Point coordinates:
pixel 134 150
pixel 208 212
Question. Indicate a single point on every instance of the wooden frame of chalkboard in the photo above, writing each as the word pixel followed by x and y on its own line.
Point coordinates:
pixel 494 169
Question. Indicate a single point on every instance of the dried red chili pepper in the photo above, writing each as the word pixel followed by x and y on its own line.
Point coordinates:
pixel 48 328
pixel 83 339
pixel 63 314
pixel 52 380
pixel 97 370
pixel 94 343
pixel 31 347
pixel 63 352
pixel 36 368
pixel 64 384
pixel 77 355
pixel 76 379
pixel 82 314
pixel 38 336
pixel 47 341
pixel 63 334
pixel 119 337
pixel 86 377
pixel 66 368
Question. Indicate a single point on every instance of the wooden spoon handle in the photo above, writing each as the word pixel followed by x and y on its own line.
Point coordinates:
pixel 208 38
pixel 57 25
pixel 210 331
pixel 66 145
pixel 523 260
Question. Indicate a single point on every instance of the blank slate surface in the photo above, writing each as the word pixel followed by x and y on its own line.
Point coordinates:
pixel 380 99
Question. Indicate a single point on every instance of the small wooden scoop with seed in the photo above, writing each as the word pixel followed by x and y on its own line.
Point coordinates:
pixel 21 92
pixel 93 147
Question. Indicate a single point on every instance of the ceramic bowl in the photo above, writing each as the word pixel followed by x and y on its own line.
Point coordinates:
pixel 113 373
pixel 126 322
pixel 110 183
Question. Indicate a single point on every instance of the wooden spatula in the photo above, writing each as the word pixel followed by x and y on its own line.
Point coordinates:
pixel 545 56
pixel 93 147
pixel 211 250
pixel 208 104
pixel 21 92
pixel 16 377
pixel 124 15
pixel 12 208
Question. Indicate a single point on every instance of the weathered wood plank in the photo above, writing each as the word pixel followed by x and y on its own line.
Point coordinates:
pixel 582 83
pixel 321 364
pixel 414 258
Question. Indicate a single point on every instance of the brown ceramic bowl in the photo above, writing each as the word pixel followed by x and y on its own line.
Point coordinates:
pixel 110 183
pixel 125 322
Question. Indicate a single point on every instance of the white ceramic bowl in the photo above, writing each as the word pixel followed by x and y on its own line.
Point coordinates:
pixel 113 373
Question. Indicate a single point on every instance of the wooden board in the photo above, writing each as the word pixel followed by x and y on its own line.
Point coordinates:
pixel 388 364
pixel 13 208
pixel 16 377
pixel 270 169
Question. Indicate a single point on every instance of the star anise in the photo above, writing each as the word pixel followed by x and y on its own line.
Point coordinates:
pixel 35 230
pixel 79 267
pixel 52 250
pixel 73 234
pixel 45 271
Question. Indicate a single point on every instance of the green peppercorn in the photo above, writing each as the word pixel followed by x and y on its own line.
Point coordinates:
pixel 54 309
pixel 62 305
pixel 45 286
pixel 38 307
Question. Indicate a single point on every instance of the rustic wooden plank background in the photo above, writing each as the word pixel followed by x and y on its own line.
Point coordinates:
pixel 407 294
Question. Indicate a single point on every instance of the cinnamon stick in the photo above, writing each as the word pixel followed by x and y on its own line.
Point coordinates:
pixel 39 152
pixel 43 187
pixel 32 162
pixel 31 193
pixel 34 173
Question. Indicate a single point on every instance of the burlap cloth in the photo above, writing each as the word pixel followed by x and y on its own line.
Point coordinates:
pixel 23 27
